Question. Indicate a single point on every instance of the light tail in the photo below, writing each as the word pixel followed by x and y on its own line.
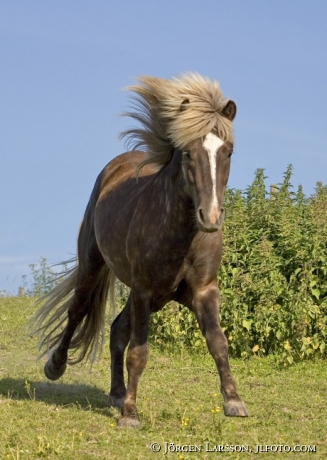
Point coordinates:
pixel 49 322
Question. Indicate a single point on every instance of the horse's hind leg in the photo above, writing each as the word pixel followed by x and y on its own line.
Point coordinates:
pixel 91 276
pixel 56 365
pixel 120 334
pixel 137 356
pixel 206 307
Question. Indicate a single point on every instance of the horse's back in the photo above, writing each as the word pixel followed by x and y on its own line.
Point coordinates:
pixel 121 169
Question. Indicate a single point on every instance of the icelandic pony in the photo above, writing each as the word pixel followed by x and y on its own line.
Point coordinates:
pixel 154 222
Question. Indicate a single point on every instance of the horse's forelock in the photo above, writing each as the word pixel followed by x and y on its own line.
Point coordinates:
pixel 175 112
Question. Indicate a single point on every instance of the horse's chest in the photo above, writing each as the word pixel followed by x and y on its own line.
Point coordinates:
pixel 157 260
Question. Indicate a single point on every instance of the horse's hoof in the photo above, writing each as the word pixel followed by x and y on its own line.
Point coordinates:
pixel 129 422
pixel 235 409
pixel 53 372
pixel 116 401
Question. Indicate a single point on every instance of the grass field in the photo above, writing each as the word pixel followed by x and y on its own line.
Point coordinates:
pixel 179 402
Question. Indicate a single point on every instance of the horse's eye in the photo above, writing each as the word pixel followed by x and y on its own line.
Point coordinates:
pixel 230 154
pixel 187 155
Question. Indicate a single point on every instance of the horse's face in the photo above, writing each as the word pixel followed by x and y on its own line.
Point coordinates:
pixel 206 165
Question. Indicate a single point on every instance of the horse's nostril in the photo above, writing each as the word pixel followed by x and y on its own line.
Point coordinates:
pixel 201 215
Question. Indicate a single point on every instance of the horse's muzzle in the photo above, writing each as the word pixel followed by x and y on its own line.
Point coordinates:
pixel 210 222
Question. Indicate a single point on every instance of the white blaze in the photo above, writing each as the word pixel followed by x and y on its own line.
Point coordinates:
pixel 212 144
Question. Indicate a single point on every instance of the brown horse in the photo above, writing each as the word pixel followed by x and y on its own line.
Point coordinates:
pixel 154 222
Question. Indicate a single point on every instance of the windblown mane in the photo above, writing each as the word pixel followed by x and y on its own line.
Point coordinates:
pixel 173 113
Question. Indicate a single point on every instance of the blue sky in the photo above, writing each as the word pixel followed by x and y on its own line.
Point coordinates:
pixel 63 67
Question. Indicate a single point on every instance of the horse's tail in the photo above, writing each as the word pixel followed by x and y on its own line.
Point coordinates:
pixel 89 335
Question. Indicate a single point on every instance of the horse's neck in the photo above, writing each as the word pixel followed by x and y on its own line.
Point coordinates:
pixel 176 206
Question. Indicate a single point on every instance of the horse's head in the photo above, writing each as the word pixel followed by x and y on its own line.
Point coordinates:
pixel 188 114
pixel 206 165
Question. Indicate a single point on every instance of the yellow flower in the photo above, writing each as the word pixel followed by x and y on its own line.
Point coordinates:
pixel 216 410
pixel 185 421
pixel 287 345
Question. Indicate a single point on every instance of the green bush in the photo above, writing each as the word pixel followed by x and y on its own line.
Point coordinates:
pixel 44 278
pixel 273 278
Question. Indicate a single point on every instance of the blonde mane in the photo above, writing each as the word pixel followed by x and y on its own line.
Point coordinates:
pixel 174 112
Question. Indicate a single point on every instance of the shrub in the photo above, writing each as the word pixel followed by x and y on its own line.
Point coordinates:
pixel 273 278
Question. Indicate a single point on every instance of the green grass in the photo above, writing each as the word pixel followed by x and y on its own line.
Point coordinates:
pixel 178 399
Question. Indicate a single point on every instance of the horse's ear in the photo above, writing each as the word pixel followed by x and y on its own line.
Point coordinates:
pixel 229 111
pixel 184 104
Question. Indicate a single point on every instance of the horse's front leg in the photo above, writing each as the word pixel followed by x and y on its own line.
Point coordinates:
pixel 137 356
pixel 206 307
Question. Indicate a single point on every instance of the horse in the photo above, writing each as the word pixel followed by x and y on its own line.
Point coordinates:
pixel 154 221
